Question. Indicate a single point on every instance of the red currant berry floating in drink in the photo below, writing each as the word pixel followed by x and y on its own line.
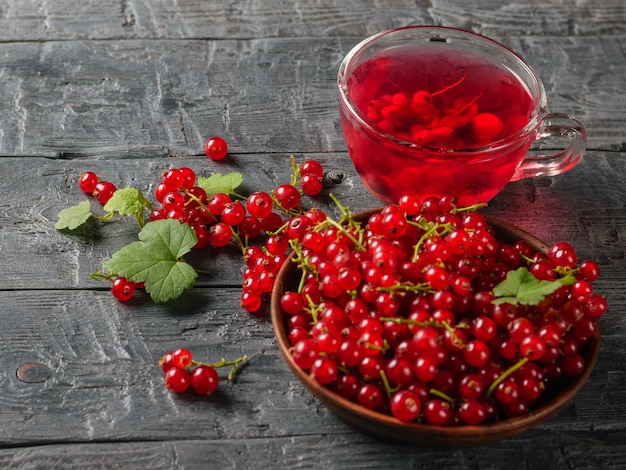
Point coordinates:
pixel 216 148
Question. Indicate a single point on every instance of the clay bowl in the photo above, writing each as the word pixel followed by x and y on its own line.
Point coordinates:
pixel 387 427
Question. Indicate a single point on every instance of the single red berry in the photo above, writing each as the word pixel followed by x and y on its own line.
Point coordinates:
pixel 311 167
pixel 220 234
pixel 122 289
pixel 87 181
pixel 562 254
pixel 325 370
pixel 405 405
pixel 103 191
pixel 311 184
pixel 166 362
pixel 251 301
pixel 485 127
pixel 259 204
pixel 233 213
pixel 217 202
pixel 204 380
pixel 177 380
pixel 173 179
pixel 288 196
pixel 181 358
pixel 216 148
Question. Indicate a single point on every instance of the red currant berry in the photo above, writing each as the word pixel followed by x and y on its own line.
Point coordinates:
pixel 437 412
pixel 233 213
pixel 103 191
pixel 311 184
pixel 288 196
pixel 217 202
pixel 251 301
pixel 87 181
pixel 259 204
pixel 312 167
pixel 562 254
pixel 177 380
pixel 216 148
pixel 182 358
pixel 123 289
pixel 589 270
pixel 220 234
pixel 204 380
pixel 405 405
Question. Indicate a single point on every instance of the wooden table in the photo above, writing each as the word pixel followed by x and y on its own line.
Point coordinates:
pixel 129 89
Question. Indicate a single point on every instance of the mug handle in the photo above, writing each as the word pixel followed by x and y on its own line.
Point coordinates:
pixel 558 127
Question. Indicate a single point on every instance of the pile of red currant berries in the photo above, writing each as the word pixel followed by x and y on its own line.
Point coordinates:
pixel 220 219
pixel 428 119
pixel 121 288
pixel 397 314
pixel 183 373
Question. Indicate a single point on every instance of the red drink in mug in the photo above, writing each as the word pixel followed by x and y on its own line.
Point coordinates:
pixel 433 111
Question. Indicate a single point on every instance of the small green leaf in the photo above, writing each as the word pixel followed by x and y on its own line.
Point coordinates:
pixel 126 201
pixel 157 259
pixel 520 287
pixel 219 183
pixel 73 217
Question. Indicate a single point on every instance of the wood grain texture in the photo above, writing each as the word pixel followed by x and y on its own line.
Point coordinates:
pixel 104 384
pixel 156 19
pixel 130 88
pixel 157 98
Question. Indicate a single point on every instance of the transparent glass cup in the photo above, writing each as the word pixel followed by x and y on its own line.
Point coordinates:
pixel 464 75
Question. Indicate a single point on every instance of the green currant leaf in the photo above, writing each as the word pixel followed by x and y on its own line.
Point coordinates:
pixel 157 259
pixel 520 287
pixel 126 201
pixel 218 183
pixel 73 217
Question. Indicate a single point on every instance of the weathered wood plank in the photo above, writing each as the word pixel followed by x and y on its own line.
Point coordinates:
pixel 103 383
pixel 112 19
pixel 574 451
pixel 157 98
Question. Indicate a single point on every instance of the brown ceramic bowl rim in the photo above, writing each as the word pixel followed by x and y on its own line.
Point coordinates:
pixel 383 425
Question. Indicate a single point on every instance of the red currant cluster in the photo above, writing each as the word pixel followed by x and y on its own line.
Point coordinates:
pixel 423 118
pixel 400 317
pixel 90 184
pixel 121 288
pixel 216 219
pixel 182 372
pixel 221 218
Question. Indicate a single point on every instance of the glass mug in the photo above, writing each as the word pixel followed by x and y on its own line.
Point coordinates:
pixel 431 110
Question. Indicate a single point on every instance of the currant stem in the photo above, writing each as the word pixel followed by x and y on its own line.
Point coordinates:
pixel 100 276
pixel 443 396
pixel 506 374
pixel 222 363
pixel 436 324
pixel 429 232
pixel 472 208
pixel 295 171
pixel 106 217
pixel 406 287
pixel 449 87
pixel 388 389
